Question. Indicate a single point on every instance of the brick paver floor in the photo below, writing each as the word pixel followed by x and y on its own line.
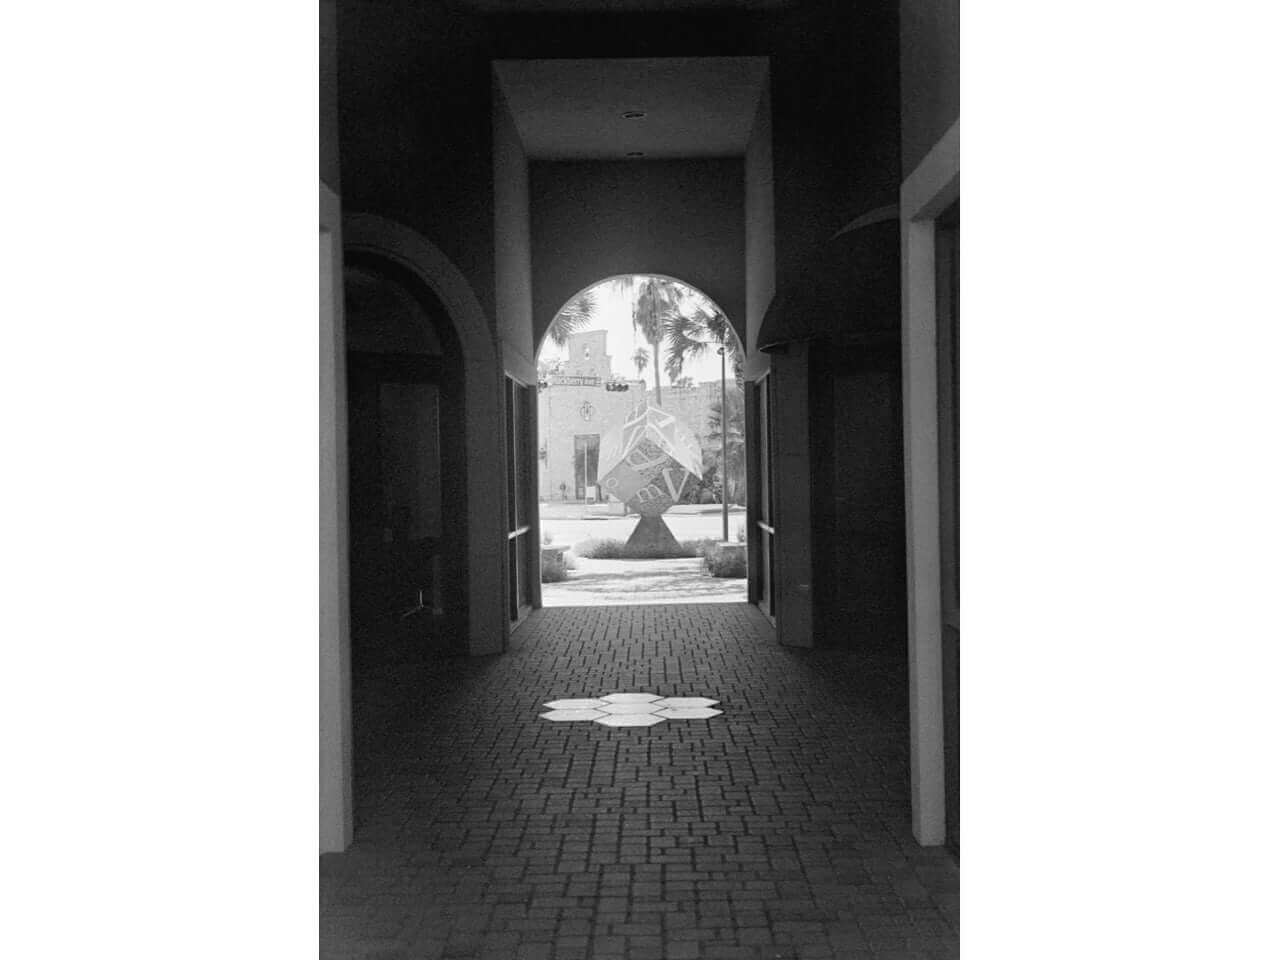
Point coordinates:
pixel 778 829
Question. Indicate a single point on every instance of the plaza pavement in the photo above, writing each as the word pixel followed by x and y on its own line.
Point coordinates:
pixel 779 828
pixel 595 583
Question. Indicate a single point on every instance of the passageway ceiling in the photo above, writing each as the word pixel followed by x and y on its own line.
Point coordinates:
pixel 617 6
pixel 578 109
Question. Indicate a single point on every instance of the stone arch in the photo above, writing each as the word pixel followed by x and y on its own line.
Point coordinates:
pixel 545 329
pixel 482 392
pixel 565 288
pixel 374 234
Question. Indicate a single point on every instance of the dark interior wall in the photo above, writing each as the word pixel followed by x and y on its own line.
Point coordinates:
pixel 329 94
pixel 836 143
pixel 858 509
pixel 758 174
pixel 416 127
pixel 595 219
pixel 417 133
pixel 930 37
pixel 512 264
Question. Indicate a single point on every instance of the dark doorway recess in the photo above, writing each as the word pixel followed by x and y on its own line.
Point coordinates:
pixel 406 464
pixel 586 463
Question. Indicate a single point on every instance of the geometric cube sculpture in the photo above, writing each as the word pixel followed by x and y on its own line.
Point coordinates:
pixel 647 462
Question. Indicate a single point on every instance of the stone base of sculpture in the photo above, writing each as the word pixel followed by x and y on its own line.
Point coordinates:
pixel 652 535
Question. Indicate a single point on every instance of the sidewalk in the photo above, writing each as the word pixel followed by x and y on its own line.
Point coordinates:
pixel 598 583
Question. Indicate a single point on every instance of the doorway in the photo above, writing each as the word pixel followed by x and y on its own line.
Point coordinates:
pixel 402 440
pixel 586 463
pixel 642 448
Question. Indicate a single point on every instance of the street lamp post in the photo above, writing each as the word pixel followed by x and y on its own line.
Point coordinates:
pixel 724 450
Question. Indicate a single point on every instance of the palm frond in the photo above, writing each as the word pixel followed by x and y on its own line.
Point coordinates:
pixel 573 317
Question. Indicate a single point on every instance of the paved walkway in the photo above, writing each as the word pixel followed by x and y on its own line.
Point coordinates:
pixel 776 829
pixel 615 582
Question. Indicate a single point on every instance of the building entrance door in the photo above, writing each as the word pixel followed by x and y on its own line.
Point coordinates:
pixel 586 461
pixel 395 479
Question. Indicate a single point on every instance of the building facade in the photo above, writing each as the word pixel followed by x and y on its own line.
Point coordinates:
pixel 584 399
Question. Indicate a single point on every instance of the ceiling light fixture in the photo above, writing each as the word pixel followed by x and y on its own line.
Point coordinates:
pixel 633 115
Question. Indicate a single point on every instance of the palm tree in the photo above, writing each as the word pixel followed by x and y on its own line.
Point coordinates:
pixel 735 443
pixel 641 359
pixel 654 302
pixel 694 328
pixel 573 316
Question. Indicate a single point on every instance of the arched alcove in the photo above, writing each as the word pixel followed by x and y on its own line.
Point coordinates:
pixel 476 500
pixel 406 464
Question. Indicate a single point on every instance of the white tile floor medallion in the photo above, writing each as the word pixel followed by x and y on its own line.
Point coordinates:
pixel 631 709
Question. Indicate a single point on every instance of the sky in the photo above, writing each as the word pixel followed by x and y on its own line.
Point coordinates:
pixel 615 318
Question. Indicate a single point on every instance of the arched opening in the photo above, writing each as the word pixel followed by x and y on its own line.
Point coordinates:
pixel 642 447
pixel 406 465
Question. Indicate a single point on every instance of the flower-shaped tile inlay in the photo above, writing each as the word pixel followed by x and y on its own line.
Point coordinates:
pixel 580 704
pixel 630 720
pixel 688 713
pixel 572 715
pixel 631 709
pixel 628 708
pixel 686 702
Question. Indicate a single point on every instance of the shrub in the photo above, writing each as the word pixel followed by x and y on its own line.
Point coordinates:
pixel 611 549
pixel 555 566
pixel 701 547
pixel 726 563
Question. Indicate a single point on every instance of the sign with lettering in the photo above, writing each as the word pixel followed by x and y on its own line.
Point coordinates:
pixel 562 380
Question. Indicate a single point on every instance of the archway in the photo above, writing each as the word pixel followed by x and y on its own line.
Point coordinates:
pixel 423 265
pixel 641 446
pixel 406 464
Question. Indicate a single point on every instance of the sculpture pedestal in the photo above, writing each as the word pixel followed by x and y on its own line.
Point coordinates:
pixel 653 534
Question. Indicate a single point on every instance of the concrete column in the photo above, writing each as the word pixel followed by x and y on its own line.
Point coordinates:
pixel 751 418
pixel 793 544
pixel 335 621
pixel 927 192
pixel 486 508
pixel 924 596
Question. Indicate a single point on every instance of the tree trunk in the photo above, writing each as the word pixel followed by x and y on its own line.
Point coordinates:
pixel 657 375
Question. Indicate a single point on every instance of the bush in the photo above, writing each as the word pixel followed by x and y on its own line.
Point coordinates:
pixel 725 563
pixel 594 549
pixel 555 566
pixel 701 547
